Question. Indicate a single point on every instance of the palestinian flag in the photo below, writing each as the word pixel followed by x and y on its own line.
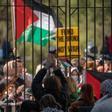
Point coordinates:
pixel 95 78
pixel 34 22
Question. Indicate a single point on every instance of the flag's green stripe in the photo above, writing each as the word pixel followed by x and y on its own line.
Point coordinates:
pixel 38 35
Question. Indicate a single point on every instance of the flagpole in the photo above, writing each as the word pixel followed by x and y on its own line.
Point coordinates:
pixel 13 23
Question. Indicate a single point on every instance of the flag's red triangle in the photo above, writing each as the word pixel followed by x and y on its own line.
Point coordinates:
pixel 95 83
pixel 24 16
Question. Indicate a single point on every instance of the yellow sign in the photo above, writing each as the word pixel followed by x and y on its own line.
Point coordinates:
pixel 67 42
pixel 72 31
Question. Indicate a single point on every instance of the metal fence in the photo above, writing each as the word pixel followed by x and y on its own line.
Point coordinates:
pixel 90 20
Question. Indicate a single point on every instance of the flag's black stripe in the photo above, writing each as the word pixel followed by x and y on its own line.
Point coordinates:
pixel 100 75
pixel 45 9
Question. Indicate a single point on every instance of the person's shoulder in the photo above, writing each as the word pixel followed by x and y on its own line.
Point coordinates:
pixel 107 102
pixel 103 105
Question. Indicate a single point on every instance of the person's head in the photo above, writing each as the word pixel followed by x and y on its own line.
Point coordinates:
pixel 106 87
pixel 100 68
pixel 110 67
pixel 90 65
pixel 82 61
pixel 97 62
pixel 13 67
pixel 49 101
pixel 19 65
pixel 40 66
pixel 87 92
pixel 8 69
pixel 75 74
pixel 106 67
pixel 74 71
pixel 53 84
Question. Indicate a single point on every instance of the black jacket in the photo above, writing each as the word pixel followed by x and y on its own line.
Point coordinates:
pixel 39 91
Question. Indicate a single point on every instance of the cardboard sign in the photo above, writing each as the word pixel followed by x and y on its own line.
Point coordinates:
pixel 67 42
pixel 72 31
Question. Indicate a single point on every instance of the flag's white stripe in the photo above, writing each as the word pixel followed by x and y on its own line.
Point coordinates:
pixel 45 21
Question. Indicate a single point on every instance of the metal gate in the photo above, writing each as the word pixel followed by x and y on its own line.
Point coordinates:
pixel 73 30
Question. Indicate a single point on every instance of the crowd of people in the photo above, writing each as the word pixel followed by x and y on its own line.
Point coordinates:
pixel 58 85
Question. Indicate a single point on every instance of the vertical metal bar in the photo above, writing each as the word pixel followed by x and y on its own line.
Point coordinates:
pixel 49 26
pixel 13 21
pixel 66 11
pixel 70 28
pixel 70 47
pixel 65 32
pixel 16 6
pixel 78 38
pixel 32 40
pixel 86 32
pixel 111 32
pixel 103 29
pixel 41 34
pixel 57 27
pixel 7 24
pixel 24 46
pixel 95 32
